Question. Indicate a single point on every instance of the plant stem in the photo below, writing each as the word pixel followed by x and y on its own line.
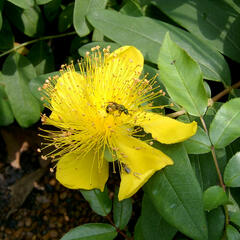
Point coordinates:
pixel 118 230
pixel 36 40
pixel 226 91
pixel 217 168
pixel 214 156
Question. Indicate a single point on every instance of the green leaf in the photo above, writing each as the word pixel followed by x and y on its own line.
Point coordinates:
pixel 6 36
pixel 97 35
pixel 65 20
pixel 23 3
pixel 232 233
pixel 225 126
pixel 41 57
pixel 99 201
pixel 17 72
pixel 132 8
pixel 81 9
pixel 205 169
pixel 214 197
pixel 138 232
pixel 207 89
pixel 91 231
pixel 6 116
pixel 216 221
pixel 218 28
pixel 179 71
pixel 122 211
pixel 41 2
pixel 154 227
pixel 232 171
pixel 147 35
pixel 29 21
pixel 199 143
pixel 51 9
pixel 87 47
pixel 235 218
pixel 177 196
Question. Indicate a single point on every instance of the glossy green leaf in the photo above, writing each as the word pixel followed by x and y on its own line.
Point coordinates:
pixel 177 196
pixel 199 143
pixel 81 9
pixel 41 57
pixel 41 2
pixel 23 3
pixel 65 20
pixel 87 48
pixel 29 20
pixel 232 233
pixel 232 171
pixel 154 227
pixel 51 9
pixel 6 116
pixel 225 126
pixel 91 231
pixel 179 71
pixel 99 201
pixel 122 211
pixel 132 8
pixel 214 197
pixel 147 35
pixel 218 28
pixel 17 72
pixel 235 218
pixel 6 36
pixel 205 169
pixel 216 221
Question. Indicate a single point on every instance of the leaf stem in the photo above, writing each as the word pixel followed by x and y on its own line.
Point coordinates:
pixel 118 230
pixel 36 40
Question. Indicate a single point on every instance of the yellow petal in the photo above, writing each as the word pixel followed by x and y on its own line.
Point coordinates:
pixel 66 96
pixel 141 160
pixel 131 58
pixel 167 130
pixel 81 173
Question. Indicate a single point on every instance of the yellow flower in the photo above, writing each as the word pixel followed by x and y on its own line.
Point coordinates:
pixel 102 109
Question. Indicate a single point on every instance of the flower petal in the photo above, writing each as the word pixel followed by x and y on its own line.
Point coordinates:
pixel 167 130
pixel 75 173
pixel 141 160
pixel 131 58
pixel 67 96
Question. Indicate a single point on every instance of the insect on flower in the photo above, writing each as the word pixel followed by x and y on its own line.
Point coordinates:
pixel 113 106
pixel 90 110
